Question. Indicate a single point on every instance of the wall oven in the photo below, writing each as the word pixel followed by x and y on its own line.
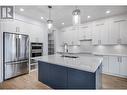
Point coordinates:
pixel 36 51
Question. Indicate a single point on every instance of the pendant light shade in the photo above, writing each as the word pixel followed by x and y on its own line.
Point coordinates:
pixel 76 17
pixel 49 21
pixel 50 24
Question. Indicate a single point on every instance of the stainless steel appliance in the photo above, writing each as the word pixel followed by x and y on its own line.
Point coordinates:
pixel 16 54
pixel 36 51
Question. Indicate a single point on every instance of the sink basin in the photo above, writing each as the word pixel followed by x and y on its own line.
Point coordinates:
pixel 69 56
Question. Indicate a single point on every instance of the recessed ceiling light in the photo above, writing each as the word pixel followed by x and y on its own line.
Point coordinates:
pixel 21 9
pixel 108 12
pixel 42 17
pixel 63 23
pixel 88 16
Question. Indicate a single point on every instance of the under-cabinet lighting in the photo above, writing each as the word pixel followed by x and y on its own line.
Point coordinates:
pixel 107 12
pixel 21 9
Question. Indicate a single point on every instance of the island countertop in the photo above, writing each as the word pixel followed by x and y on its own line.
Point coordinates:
pixel 88 63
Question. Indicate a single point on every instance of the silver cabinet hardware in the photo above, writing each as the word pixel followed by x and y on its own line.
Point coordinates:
pixel 121 59
pixel 119 41
pixel 118 59
pixel 119 21
pixel 85 27
pixel 99 24
pixel 99 41
pixel 17 29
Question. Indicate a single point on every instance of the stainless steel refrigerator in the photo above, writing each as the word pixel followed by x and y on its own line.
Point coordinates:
pixel 16 54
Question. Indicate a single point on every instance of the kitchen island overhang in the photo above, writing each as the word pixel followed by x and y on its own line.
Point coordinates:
pixel 69 73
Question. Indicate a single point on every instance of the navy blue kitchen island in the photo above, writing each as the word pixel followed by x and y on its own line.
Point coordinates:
pixel 59 76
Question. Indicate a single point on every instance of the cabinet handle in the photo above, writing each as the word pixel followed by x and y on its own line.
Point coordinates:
pixel 119 21
pixel 118 59
pixel 119 41
pixel 99 24
pixel 121 59
pixel 100 41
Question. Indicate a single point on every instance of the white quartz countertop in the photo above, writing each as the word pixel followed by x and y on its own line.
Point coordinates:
pixel 88 63
pixel 110 54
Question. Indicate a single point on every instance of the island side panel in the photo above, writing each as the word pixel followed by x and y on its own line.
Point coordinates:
pixel 78 79
pixel 99 77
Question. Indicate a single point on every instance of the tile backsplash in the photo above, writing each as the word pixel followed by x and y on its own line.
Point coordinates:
pixel 88 48
pixel 111 49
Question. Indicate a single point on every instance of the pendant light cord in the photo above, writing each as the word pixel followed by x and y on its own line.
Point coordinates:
pixel 49 12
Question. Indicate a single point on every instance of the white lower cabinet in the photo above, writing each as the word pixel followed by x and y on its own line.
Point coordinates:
pixel 105 64
pixel 115 65
pixel 123 66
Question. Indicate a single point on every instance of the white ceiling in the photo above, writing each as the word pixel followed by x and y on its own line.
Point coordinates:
pixel 64 13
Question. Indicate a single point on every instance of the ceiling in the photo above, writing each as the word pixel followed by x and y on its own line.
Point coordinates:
pixel 62 14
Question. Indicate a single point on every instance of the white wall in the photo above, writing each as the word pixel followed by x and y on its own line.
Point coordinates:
pixel 36 30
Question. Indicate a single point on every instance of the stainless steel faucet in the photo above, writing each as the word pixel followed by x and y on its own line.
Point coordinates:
pixel 65 48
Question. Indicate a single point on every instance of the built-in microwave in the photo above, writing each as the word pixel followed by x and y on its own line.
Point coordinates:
pixel 36 49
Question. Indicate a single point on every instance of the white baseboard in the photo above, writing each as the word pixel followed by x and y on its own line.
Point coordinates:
pixel 117 75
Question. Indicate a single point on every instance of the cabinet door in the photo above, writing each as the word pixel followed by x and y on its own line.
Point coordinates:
pixel 114 64
pixel 113 32
pixel 123 66
pixel 123 31
pixel 67 37
pixel 81 33
pixel 105 64
pixel 95 35
pixel 75 37
pixel 58 76
pixel 9 26
pixel 103 29
pixel 86 31
pixel 43 72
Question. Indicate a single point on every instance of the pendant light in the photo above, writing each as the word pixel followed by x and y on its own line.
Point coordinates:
pixel 49 21
pixel 76 16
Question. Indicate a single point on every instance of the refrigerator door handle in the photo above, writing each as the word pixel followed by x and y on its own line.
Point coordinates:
pixel 18 47
pixel 18 62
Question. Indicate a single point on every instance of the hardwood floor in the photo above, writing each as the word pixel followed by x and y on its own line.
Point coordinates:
pixel 112 82
pixel 30 81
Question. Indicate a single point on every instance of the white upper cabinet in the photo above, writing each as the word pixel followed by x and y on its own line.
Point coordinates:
pixel 113 32
pixel 67 37
pixel 9 26
pixel 70 36
pixel 85 31
pixel 109 31
pixel 35 32
pixel 123 31
pixel 117 30
pixel 100 32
